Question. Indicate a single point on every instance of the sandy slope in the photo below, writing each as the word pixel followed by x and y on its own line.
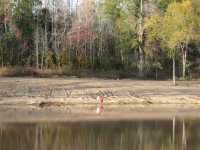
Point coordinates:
pixel 34 99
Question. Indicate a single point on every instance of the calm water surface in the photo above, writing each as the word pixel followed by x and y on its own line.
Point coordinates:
pixel 174 134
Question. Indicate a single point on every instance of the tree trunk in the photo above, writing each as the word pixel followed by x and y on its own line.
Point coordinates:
pixel 141 62
pixel 156 72
pixel 184 57
pixel 70 14
pixel 37 46
pixel 42 53
pixel 5 15
pixel 55 31
pixel 2 58
pixel 56 40
pixel 46 45
pixel 184 62
pixel 91 62
pixel 5 30
pixel 45 36
pixel 93 52
pixel 141 51
pixel 174 68
pixel 46 31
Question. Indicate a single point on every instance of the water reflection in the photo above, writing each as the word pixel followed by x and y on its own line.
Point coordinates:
pixel 100 110
pixel 176 134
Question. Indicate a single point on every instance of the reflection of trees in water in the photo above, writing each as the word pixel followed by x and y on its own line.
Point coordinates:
pixel 46 138
pixel 138 135
pixel 173 133
pixel 183 142
pixel 183 137
pixel 1 137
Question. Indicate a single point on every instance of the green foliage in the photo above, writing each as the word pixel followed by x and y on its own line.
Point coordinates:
pixel 196 6
pixel 187 78
pixel 49 59
pixel 6 37
pixel 23 16
pixel 125 29
pixel 113 8
pixel 65 58
pixel 163 4
pixel 134 42
pixel 157 65
pixel 44 18
pixel 176 25
pixel 5 41
pixel 109 64
pixel 109 34
pixel 172 29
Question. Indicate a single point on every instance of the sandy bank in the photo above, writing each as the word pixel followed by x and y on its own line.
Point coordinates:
pixel 68 91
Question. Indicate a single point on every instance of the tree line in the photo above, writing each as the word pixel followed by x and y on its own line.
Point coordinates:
pixel 149 38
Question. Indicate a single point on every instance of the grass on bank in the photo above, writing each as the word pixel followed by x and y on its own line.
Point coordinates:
pixel 46 73
pixel 81 73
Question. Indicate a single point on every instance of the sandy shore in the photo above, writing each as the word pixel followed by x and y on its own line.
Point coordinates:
pixel 74 99
pixel 33 91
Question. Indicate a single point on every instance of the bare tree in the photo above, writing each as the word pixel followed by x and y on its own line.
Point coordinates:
pixel 37 45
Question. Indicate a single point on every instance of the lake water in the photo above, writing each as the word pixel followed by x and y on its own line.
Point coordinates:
pixel 174 134
pixel 93 127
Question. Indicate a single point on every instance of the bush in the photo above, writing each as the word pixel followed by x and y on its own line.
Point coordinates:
pixel 65 59
pixel 49 59
pixel 18 72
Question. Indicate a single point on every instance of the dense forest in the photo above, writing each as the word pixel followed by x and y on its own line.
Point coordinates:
pixel 147 38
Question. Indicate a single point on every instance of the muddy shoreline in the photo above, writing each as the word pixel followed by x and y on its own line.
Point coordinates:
pixel 84 91
pixel 74 99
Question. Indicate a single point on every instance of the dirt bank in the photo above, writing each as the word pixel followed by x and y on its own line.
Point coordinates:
pixel 74 99
pixel 69 91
